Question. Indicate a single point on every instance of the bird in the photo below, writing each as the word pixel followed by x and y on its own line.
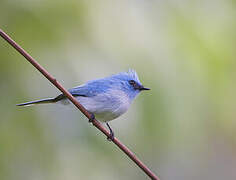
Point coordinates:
pixel 105 98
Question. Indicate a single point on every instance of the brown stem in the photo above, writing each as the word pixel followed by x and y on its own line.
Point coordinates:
pixel 97 124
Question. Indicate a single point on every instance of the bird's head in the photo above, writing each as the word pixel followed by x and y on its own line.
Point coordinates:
pixel 130 83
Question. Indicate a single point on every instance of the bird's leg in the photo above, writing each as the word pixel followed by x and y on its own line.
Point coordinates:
pixel 111 137
pixel 92 117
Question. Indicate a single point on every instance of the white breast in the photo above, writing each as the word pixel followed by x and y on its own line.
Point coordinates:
pixel 106 106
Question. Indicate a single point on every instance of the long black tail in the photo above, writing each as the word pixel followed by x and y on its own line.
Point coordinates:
pixel 43 101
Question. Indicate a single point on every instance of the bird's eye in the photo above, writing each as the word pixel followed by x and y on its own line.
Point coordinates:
pixel 132 82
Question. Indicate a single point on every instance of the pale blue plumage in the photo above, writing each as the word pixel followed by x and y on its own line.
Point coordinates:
pixel 106 98
pixel 117 81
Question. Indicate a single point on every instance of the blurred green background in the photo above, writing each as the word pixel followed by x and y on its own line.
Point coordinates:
pixel 184 128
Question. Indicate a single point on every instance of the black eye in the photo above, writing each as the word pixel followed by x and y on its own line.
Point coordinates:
pixel 132 82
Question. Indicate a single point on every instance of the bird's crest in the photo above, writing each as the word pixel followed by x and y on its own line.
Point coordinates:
pixel 129 75
pixel 132 73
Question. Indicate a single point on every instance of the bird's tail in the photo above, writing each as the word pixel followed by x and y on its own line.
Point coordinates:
pixel 41 101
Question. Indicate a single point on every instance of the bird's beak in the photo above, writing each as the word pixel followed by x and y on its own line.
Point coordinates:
pixel 143 88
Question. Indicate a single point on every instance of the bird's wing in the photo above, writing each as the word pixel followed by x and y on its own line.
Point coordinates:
pixel 91 88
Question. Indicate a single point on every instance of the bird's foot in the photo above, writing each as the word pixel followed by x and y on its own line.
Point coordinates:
pixel 112 135
pixel 92 117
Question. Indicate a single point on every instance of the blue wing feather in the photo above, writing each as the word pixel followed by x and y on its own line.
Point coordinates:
pixel 92 88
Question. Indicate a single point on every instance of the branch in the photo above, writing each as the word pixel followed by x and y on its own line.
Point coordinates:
pixel 96 123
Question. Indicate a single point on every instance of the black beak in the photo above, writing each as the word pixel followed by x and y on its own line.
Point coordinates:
pixel 143 88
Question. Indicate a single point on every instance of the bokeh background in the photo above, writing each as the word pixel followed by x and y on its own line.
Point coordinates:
pixel 184 128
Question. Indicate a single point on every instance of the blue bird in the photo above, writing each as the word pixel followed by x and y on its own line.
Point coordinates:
pixel 105 98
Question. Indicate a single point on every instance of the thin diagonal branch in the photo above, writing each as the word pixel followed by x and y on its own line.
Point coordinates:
pixel 97 124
